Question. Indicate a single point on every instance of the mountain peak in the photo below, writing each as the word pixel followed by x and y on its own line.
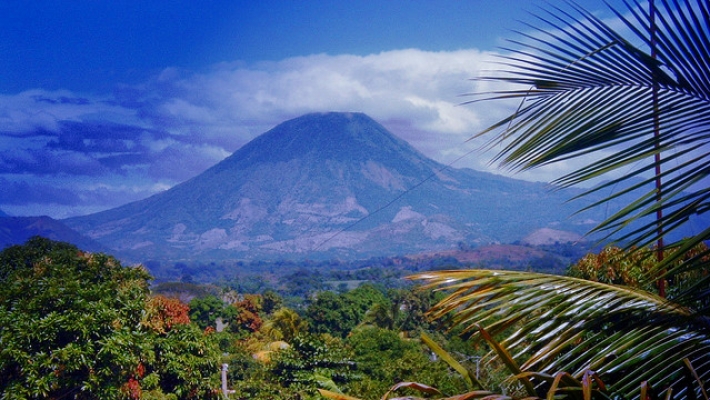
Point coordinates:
pixel 325 184
pixel 330 135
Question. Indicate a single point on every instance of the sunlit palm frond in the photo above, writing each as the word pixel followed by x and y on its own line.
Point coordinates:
pixel 563 324
pixel 586 89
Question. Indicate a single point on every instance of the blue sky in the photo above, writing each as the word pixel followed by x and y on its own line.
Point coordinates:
pixel 106 102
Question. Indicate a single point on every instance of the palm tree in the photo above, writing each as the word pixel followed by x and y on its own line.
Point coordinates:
pixel 641 108
pixel 587 89
pixel 284 324
pixel 381 316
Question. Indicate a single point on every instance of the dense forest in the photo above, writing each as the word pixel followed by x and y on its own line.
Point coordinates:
pixel 81 325
pixel 300 277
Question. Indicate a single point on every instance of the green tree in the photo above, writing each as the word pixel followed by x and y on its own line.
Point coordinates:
pixel 338 314
pixel 271 301
pixel 363 297
pixel 204 311
pixel 310 362
pixel 69 322
pixel 251 378
pixel 383 358
pixel 183 358
pixel 329 313
pixel 80 325
pixel 403 310
pixel 284 324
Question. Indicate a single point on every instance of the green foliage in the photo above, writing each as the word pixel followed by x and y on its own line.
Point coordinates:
pixel 283 360
pixel 254 380
pixel 364 296
pixel 338 314
pixel 80 325
pixel 410 308
pixel 153 349
pixel 564 325
pixel 330 313
pixel 384 358
pixel 310 358
pixel 402 310
pixel 69 322
pixel 617 266
pixel 185 362
pixel 284 324
pixel 271 301
pixel 204 311
pixel 377 350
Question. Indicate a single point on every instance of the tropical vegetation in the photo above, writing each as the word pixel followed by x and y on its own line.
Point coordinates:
pixel 636 110
pixel 80 325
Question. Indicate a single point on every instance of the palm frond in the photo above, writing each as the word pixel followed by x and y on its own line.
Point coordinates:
pixel 563 324
pixel 468 377
pixel 586 89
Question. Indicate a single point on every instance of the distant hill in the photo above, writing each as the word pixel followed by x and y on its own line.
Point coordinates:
pixel 16 230
pixel 2 214
pixel 547 236
pixel 330 185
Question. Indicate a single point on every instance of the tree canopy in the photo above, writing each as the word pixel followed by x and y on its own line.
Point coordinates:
pixel 81 325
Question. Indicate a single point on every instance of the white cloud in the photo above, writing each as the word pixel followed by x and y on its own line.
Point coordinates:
pixel 417 89
pixel 41 109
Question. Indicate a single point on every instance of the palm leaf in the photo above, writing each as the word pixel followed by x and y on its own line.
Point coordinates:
pixel 587 89
pixel 563 324
pixel 470 379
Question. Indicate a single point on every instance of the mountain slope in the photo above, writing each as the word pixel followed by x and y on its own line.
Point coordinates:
pixel 315 187
pixel 16 230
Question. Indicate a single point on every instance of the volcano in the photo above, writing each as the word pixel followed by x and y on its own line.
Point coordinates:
pixel 328 185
